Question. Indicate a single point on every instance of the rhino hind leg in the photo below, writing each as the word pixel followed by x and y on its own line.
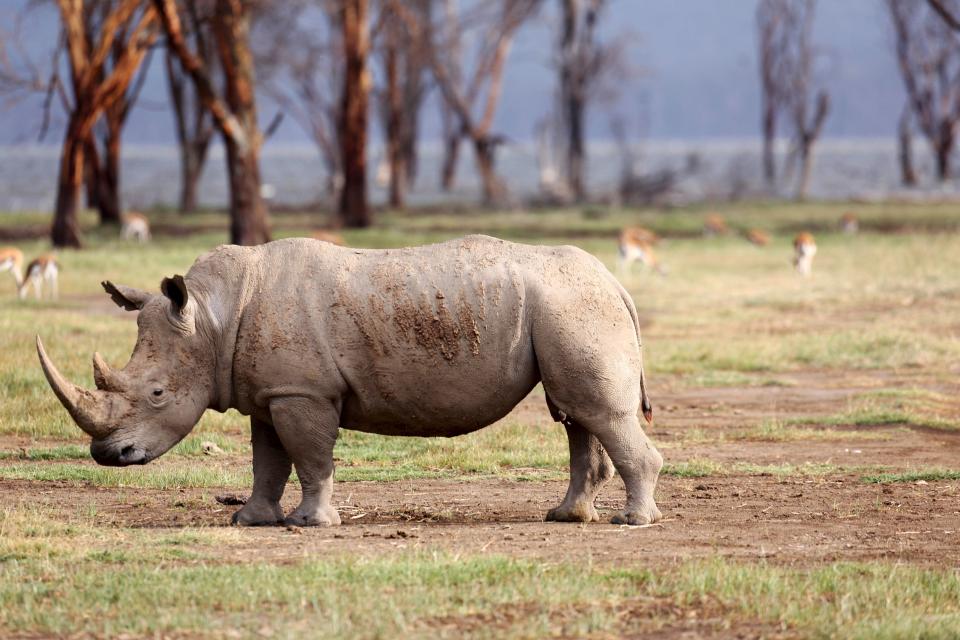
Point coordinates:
pixel 637 461
pixel 271 470
pixel 590 469
pixel 308 430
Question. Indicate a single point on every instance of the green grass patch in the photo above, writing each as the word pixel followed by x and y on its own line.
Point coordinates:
pixel 927 475
pixel 110 591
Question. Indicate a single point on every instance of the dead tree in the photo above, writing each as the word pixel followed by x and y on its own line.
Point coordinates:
pixel 771 43
pixel 303 71
pixel 484 87
pixel 928 55
pixel 95 88
pixel 402 57
pixel 103 148
pixel 192 120
pixel 581 61
pixel 807 118
pixel 784 29
pixel 353 209
pixel 234 112
pixel 905 148
pixel 448 43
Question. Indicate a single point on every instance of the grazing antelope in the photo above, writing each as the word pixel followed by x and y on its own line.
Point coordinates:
pixel 714 225
pixel 135 227
pixel 804 248
pixel 11 259
pixel 849 223
pixel 758 237
pixel 636 245
pixel 42 268
pixel 328 236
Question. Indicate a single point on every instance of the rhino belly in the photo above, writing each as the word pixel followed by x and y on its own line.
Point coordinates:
pixel 439 401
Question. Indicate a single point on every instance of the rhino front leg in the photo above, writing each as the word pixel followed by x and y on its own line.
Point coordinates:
pixel 271 470
pixel 308 430
pixel 590 469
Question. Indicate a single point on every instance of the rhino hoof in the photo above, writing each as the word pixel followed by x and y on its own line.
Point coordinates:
pixel 323 518
pixel 253 517
pixel 639 517
pixel 578 513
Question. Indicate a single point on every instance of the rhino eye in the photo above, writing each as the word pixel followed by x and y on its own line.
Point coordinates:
pixel 157 393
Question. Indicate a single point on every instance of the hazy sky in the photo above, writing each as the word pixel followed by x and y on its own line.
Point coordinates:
pixel 695 74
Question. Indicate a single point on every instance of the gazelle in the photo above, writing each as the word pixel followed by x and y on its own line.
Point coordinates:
pixel 757 237
pixel 636 245
pixel 804 248
pixel 849 223
pixel 43 268
pixel 714 225
pixel 135 227
pixel 11 259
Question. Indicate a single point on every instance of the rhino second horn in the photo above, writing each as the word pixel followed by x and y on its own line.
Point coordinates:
pixel 85 407
pixel 105 378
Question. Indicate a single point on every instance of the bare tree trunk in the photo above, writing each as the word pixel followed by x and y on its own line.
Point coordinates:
pixel 91 172
pixel 942 153
pixel 769 138
pixel 494 191
pixel 451 154
pixel 576 51
pixel 905 138
pixel 65 231
pixel 354 210
pixel 249 224
pixel 193 132
pixel 394 117
pixel 108 196
pixel 192 159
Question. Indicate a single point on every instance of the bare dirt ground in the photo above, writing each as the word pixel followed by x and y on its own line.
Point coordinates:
pixel 793 519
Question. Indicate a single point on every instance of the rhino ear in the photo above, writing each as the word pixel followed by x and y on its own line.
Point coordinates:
pixel 127 297
pixel 176 290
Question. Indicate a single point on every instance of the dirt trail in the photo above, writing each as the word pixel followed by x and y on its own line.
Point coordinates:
pixel 789 520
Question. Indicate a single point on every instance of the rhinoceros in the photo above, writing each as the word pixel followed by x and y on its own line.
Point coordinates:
pixel 308 338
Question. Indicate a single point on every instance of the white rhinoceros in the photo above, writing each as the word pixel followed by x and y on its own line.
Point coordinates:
pixel 308 338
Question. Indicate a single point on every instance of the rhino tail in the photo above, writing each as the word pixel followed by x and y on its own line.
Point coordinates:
pixel 645 405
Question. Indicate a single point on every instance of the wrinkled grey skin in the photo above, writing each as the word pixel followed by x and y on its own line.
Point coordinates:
pixel 307 338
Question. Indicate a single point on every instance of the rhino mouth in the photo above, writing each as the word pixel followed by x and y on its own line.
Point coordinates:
pixel 110 455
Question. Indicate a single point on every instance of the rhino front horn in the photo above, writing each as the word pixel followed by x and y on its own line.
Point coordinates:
pixel 85 407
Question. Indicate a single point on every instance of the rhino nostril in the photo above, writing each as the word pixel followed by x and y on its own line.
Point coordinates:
pixel 127 451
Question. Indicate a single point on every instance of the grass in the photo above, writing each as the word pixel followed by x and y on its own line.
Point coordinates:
pixel 926 475
pixel 78 579
pixel 904 407
pixel 728 314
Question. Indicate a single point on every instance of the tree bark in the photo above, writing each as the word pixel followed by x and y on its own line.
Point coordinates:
pixel 942 153
pixel 394 118
pixel 65 231
pixel 354 210
pixel 451 154
pixel 905 140
pixel 249 224
pixel 576 47
pixel 109 203
pixel 769 138
pixel 494 190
